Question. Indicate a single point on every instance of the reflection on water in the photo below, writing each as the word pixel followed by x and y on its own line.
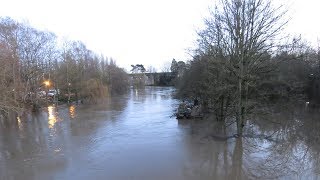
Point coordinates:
pixel 134 137
pixel 136 92
pixel 19 122
pixel 72 111
pixel 52 116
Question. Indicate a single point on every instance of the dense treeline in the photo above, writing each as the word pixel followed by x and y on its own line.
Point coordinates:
pixel 33 61
pixel 289 77
pixel 239 63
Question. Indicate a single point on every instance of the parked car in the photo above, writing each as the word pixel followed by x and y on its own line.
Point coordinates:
pixel 52 92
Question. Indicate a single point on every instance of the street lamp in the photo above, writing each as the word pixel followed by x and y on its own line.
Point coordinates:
pixel 46 83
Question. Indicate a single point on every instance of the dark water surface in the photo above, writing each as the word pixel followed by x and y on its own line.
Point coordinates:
pixel 134 137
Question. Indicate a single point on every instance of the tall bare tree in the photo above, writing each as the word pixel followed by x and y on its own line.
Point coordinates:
pixel 8 83
pixel 30 57
pixel 239 36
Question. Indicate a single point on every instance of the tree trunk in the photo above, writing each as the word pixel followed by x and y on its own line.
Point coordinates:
pixel 237 160
pixel 240 109
pixel 221 108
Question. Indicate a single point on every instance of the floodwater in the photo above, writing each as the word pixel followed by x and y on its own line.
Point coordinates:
pixel 134 137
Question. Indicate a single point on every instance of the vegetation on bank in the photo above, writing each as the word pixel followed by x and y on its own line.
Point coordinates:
pixel 240 62
pixel 33 61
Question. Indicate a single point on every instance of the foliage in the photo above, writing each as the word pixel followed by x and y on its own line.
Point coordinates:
pixel 234 54
pixel 8 83
pixel 138 68
pixel 178 68
pixel 29 57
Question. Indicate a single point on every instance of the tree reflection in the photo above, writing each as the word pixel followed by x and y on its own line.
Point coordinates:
pixel 295 138
pixel 237 161
pixel 284 143
pixel 139 93
pixel 24 141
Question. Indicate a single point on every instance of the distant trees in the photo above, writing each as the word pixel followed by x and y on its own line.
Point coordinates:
pixel 138 75
pixel 298 71
pixel 234 54
pixel 166 67
pixel 8 84
pixel 117 78
pixel 138 68
pixel 28 57
pixel 178 68
pixel 87 75
pixel 151 69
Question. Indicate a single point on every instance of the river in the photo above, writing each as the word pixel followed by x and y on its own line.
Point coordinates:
pixel 134 136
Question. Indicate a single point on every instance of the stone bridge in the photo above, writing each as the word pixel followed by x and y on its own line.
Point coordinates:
pixel 153 79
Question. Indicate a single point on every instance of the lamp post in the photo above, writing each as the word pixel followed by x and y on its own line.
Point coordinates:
pixel 69 84
pixel 46 84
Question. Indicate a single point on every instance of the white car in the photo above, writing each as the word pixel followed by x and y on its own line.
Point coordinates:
pixel 52 92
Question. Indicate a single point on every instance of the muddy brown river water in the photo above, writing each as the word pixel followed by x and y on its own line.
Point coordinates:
pixel 134 137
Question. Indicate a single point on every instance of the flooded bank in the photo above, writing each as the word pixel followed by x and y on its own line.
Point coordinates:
pixel 134 137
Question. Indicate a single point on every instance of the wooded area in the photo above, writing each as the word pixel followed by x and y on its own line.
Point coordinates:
pixel 241 61
pixel 32 62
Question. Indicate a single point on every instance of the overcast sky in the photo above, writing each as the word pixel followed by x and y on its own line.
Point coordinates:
pixel 149 32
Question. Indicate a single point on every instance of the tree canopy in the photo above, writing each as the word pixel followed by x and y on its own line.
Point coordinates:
pixel 234 55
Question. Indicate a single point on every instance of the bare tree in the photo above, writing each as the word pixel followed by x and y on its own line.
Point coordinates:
pixel 37 53
pixel 151 69
pixel 166 67
pixel 239 36
pixel 30 57
pixel 8 85
pixel 138 68
pixel 9 41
